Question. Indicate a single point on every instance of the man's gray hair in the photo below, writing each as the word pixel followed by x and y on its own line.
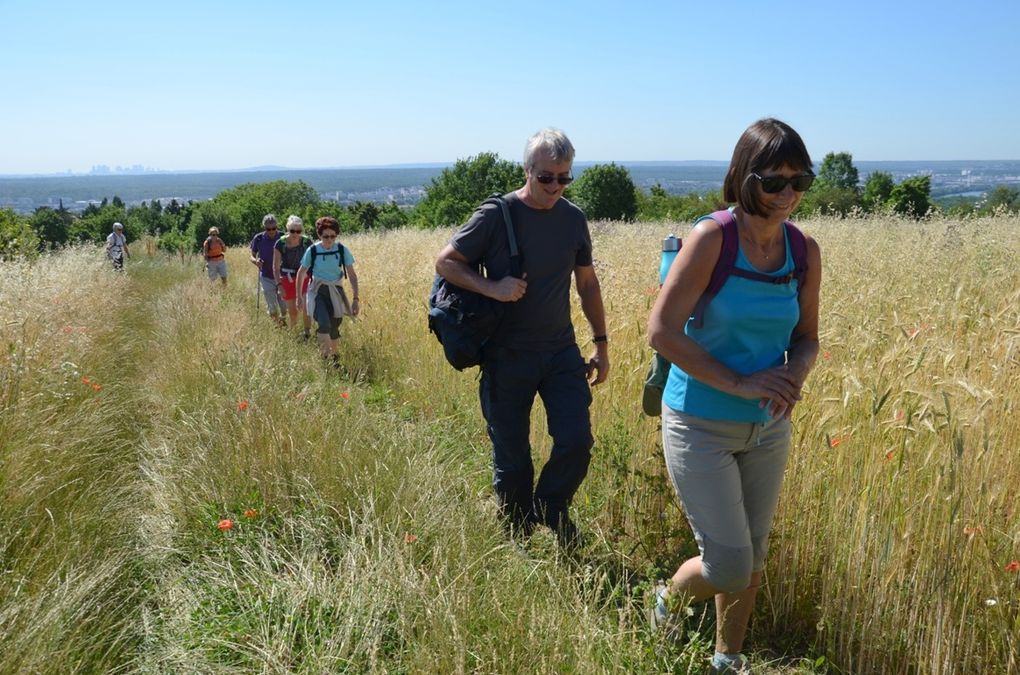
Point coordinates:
pixel 551 142
pixel 268 219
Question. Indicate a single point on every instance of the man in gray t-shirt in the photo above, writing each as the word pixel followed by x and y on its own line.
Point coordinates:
pixel 535 351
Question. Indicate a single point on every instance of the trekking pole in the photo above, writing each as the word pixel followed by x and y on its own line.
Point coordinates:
pixel 258 283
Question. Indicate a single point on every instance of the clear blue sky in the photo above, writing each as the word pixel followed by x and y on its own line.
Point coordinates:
pixel 223 84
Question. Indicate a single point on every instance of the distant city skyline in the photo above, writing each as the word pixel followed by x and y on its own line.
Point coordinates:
pixel 308 84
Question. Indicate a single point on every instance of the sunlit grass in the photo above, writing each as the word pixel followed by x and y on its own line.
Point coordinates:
pixel 140 411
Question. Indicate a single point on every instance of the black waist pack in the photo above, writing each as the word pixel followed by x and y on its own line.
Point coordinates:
pixel 462 320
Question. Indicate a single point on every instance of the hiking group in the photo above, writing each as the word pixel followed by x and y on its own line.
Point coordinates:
pixel 735 322
pixel 307 277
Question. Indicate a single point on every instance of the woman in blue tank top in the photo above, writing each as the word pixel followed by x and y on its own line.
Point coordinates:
pixel 736 379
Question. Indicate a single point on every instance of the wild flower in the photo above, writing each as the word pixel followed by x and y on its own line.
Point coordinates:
pixel 898 415
pixel 971 531
pixel 344 395
pixel 410 538
pixel 889 455
pixel 225 524
pixel 827 355
pixel 836 440
pixel 96 386
pixel 991 602
pixel 912 333
pixel 243 405
pixel 86 380
pixel 1013 566
pixel 68 330
pixel 250 513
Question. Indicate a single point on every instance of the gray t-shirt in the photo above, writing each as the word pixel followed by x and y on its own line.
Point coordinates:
pixel 552 243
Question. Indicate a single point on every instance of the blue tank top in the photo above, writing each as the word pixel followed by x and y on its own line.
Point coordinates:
pixel 747 327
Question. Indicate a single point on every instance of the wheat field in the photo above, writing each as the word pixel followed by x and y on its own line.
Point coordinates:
pixel 184 488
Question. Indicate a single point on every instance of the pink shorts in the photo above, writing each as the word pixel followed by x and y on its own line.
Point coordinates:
pixel 287 285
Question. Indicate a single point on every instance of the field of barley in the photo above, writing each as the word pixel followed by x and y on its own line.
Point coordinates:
pixel 184 488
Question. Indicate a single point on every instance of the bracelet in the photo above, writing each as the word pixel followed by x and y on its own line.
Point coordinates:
pixel 600 338
pixel 355 297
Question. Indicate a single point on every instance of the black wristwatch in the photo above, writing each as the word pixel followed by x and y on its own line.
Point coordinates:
pixel 600 338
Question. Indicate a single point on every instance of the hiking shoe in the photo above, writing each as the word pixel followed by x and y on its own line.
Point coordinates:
pixel 568 536
pixel 731 664
pixel 658 615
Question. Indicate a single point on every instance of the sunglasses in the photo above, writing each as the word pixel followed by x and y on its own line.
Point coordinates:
pixel 774 184
pixel 294 231
pixel 547 178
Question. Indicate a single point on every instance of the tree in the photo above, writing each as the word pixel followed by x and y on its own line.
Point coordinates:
pixel 16 236
pixel 838 171
pixel 49 226
pixel 606 192
pixel 1003 198
pixel 877 190
pixel 912 197
pixel 458 190
pixel 835 192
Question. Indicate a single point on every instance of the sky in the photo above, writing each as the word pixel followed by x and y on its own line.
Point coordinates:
pixel 207 85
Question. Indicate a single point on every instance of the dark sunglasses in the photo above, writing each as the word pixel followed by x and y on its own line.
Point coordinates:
pixel 546 179
pixel 774 184
pixel 294 231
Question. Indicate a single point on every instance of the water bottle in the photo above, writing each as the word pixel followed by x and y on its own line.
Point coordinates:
pixel 670 247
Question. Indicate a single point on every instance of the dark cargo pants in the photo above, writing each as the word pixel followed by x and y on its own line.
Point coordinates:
pixel 510 380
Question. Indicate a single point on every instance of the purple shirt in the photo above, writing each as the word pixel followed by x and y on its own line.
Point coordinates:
pixel 262 248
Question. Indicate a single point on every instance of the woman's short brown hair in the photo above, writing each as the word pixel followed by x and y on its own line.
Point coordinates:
pixel 766 144
pixel 326 223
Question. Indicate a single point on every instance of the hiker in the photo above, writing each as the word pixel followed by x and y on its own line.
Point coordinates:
pixel 287 256
pixel 262 247
pixel 327 262
pixel 735 380
pixel 116 247
pixel 535 351
pixel 215 256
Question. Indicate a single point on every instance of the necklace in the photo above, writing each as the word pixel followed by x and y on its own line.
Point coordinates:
pixel 761 249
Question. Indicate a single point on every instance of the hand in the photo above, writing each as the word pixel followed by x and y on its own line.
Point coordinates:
pixel 778 388
pixel 300 300
pixel 599 365
pixel 257 262
pixel 509 289
pixel 355 307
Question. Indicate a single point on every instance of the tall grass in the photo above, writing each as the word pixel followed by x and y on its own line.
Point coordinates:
pixel 362 537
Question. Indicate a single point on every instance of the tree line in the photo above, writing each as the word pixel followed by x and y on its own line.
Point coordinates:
pixel 604 191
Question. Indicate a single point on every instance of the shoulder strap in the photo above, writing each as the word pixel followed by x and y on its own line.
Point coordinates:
pixel 798 247
pixel 515 254
pixel 723 267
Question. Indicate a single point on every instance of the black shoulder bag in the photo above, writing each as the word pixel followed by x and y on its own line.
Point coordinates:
pixel 462 320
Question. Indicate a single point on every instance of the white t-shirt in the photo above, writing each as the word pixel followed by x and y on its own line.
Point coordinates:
pixel 115 244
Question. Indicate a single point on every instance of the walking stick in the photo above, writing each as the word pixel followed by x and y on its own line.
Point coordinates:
pixel 258 284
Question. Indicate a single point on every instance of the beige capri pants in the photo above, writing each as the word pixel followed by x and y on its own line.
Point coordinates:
pixel 728 476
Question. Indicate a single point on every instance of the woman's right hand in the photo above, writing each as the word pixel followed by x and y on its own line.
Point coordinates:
pixel 777 386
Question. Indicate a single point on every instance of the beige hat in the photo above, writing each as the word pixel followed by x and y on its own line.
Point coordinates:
pixel 214 230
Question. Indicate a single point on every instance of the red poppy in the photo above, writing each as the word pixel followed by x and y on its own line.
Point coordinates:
pixel 971 531
pixel 86 380
pixel 1013 566
pixel 68 330
pixel 410 538
pixel 826 355
pixel 889 455
pixel 96 386
pixel 250 513
pixel 243 405
pixel 898 414
pixel 344 395
pixel 836 440
pixel 225 524
pixel 912 333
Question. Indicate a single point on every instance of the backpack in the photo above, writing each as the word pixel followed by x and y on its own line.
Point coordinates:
pixel 462 320
pixel 655 381
pixel 338 252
